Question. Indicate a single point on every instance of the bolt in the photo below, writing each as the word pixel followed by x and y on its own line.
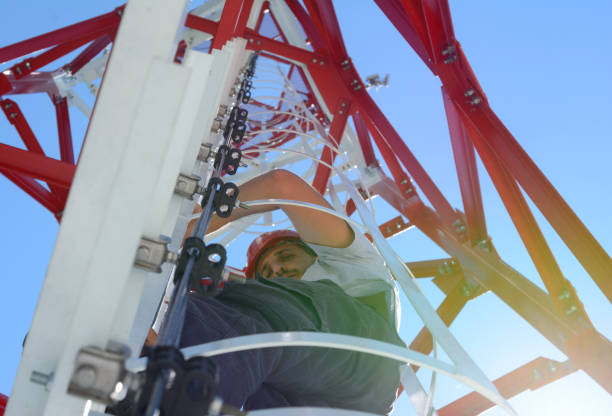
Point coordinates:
pixel 143 252
pixel 537 376
pixel 387 230
pixel 565 295
pixel 40 378
pixel 404 181
pixel 18 70
pixel 448 49
pixel 251 40
pixel 224 208
pixel 345 62
pixel 469 93
pixel 8 105
pixel 340 112
pixel 408 191
pixel 398 225
pixel 572 309
pixel 13 115
pixel 27 65
pixel 86 375
pixel 552 367
pixel 314 60
pixel 258 42
pixel 222 110
pixel 171 257
pixel 321 63
pixel 476 101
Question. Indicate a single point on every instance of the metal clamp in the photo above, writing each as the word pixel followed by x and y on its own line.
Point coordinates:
pixel 151 254
pixel 188 185
pixel 99 374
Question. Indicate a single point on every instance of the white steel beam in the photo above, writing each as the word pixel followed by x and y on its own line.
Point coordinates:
pixel 150 118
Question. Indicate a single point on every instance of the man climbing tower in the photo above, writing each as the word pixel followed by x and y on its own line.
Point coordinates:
pixel 326 277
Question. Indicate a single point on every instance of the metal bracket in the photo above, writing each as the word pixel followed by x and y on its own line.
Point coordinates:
pixel 188 185
pixel 205 152
pixel 151 254
pixel 99 374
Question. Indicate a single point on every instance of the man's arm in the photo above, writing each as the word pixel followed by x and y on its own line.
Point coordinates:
pixel 313 226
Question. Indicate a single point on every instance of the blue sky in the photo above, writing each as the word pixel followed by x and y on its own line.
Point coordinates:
pixel 545 71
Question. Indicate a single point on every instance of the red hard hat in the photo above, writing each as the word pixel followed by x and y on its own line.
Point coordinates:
pixel 264 242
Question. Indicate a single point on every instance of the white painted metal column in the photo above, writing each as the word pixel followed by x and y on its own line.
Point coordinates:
pixel 149 121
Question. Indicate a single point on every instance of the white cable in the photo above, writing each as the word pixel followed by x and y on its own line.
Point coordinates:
pixel 333 169
pixel 308 339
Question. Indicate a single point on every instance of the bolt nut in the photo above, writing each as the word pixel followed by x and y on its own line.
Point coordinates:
pixel 205 152
pixel 565 295
pixel 572 309
pixel 86 375
pixel 222 110
pixel 216 125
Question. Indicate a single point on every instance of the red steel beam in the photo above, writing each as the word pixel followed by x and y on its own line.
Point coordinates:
pixel 227 23
pixel 36 191
pixel 530 376
pixel 336 132
pixel 3 402
pixel 558 213
pixel 201 24
pixel 561 291
pixel 427 268
pixel 467 173
pixel 97 24
pixel 588 349
pixel 439 26
pixel 391 146
pixel 63 129
pixel 36 166
pixel 399 18
pixel 29 65
pixel 15 116
pixel 89 53
pixel 260 43
pixel 364 139
pixel 245 12
pixel 314 37
pixel 326 15
pixel 518 292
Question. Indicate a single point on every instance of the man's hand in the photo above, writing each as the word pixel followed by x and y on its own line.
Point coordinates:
pixel 313 226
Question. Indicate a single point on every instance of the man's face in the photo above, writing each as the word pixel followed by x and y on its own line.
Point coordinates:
pixel 284 260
